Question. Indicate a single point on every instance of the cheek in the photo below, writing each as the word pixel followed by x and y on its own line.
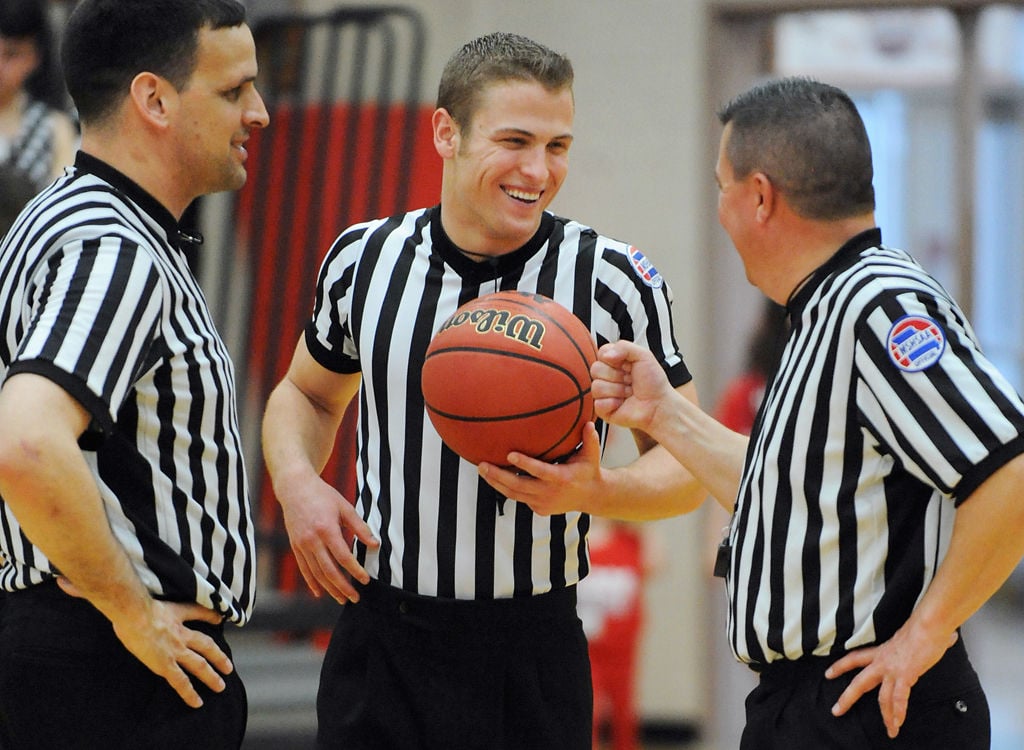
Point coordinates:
pixel 722 209
pixel 17 72
pixel 558 168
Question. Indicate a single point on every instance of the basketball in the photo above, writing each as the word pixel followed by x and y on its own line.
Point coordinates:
pixel 510 371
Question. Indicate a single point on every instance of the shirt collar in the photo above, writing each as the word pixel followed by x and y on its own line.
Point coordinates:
pixel 130 189
pixel 491 268
pixel 842 258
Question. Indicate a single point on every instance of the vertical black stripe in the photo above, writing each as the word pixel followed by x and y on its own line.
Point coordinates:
pixel 489 503
pixel 414 415
pixel 141 330
pixel 408 262
pixel 839 323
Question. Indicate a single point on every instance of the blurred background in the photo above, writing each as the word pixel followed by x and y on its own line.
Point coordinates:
pixel 350 89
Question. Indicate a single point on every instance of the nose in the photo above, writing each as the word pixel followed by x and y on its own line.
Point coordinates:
pixel 534 163
pixel 256 115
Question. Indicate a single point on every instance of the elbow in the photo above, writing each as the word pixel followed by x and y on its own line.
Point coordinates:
pixel 18 456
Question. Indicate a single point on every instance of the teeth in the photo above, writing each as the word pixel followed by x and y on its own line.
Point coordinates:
pixel 522 195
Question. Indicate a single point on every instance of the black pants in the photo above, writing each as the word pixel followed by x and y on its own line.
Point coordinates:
pixel 66 682
pixel 791 709
pixel 405 672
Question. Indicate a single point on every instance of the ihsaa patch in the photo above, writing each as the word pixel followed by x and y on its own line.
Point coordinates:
pixel 645 269
pixel 915 343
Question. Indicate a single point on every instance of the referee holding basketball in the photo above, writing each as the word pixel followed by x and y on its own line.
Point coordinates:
pixel 125 529
pixel 465 633
pixel 878 505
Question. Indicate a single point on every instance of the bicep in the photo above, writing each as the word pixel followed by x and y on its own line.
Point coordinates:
pixel 326 390
pixel 38 417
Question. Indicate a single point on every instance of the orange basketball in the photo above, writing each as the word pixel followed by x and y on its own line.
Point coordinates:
pixel 510 371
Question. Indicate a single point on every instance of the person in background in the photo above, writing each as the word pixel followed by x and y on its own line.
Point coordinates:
pixel 623 557
pixel 125 528
pixel 462 629
pixel 740 401
pixel 876 505
pixel 37 136
pixel 741 398
pixel 16 190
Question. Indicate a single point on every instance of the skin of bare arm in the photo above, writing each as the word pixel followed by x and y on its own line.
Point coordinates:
pixel 987 544
pixel 300 425
pixel 653 486
pixel 46 482
pixel 630 389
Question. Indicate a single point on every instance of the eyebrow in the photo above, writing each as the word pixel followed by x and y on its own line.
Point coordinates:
pixel 530 133
pixel 240 82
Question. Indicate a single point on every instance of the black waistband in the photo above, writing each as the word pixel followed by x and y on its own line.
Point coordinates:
pixel 49 594
pixel 795 668
pixel 814 666
pixel 384 598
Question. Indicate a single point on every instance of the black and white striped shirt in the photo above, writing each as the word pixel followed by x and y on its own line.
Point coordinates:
pixel 96 295
pixel 883 416
pixel 384 288
pixel 31 152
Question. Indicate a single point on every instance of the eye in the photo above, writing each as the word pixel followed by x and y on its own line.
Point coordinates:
pixel 233 95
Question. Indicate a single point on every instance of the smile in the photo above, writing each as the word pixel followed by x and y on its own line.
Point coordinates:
pixel 522 195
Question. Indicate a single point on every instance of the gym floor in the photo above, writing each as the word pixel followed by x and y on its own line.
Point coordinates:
pixel 281 679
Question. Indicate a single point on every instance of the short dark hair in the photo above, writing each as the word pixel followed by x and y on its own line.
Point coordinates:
pixel 499 56
pixel 28 19
pixel 810 141
pixel 109 42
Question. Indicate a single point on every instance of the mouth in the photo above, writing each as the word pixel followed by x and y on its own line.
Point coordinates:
pixel 240 148
pixel 523 196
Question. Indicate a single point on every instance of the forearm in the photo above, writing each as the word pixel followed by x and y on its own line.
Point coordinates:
pixel 652 487
pixel 987 544
pixel 711 452
pixel 630 389
pixel 49 488
pixel 298 434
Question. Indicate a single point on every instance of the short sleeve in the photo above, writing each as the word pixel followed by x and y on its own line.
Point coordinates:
pixel 90 315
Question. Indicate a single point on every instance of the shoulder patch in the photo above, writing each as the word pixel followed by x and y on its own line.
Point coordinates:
pixel 915 343
pixel 645 269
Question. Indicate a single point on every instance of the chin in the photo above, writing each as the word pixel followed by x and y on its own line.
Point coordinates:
pixel 233 181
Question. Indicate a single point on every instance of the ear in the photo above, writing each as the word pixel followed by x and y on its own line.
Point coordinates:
pixel 766 194
pixel 151 98
pixel 446 133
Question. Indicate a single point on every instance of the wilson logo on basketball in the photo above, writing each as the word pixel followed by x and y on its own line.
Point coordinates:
pixel 526 330
pixel 510 371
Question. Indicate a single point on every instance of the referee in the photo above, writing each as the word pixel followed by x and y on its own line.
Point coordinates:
pixel 878 505
pixel 465 633
pixel 125 526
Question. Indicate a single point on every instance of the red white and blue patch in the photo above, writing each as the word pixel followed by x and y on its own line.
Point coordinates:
pixel 915 343
pixel 645 269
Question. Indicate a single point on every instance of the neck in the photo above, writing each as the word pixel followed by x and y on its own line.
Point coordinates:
pixel 818 241
pixel 485 246
pixel 140 162
pixel 11 108
pixel 474 256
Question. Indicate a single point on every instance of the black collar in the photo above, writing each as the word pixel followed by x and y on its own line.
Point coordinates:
pixel 132 191
pixel 490 268
pixel 843 257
